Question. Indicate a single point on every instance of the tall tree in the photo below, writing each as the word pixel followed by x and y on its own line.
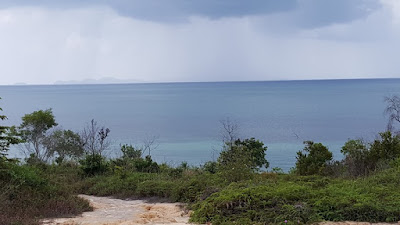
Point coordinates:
pixel 64 143
pixel 33 130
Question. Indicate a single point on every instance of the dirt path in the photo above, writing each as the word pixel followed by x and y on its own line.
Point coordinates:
pixel 110 211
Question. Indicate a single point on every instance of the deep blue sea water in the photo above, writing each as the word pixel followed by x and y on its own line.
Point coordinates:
pixel 185 116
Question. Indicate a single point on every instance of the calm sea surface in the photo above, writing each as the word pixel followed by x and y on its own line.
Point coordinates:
pixel 185 116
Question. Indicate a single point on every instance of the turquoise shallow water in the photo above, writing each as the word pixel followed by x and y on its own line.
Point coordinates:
pixel 185 116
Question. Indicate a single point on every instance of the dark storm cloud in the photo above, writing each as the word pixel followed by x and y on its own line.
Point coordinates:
pixel 307 13
pixel 203 40
pixel 163 9
pixel 315 13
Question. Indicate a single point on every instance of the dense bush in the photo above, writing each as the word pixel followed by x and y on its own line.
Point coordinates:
pixel 211 167
pixel 94 164
pixel 313 159
pixel 26 196
pixel 361 160
pixel 132 160
pixel 385 148
pixel 274 199
pixel 252 150
pixel 238 161
pixel 65 144
pixel 129 152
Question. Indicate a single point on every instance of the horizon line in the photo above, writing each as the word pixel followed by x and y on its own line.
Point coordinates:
pixel 183 82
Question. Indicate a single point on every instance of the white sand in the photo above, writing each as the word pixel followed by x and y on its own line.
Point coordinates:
pixel 110 211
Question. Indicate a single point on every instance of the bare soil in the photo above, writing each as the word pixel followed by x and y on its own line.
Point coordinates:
pixel 111 211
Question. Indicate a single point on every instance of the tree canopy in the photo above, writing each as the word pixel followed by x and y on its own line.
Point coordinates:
pixel 251 148
pixel 33 130
pixel 64 143
pixel 313 158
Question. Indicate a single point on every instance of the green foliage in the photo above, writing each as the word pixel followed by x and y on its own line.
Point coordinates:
pixel 146 165
pixel 267 198
pixel 258 203
pixel 190 186
pixel 136 164
pixel 113 185
pixel 277 170
pixel 303 199
pixel 94 164
pixel 26 195
pixel 254 151
pixel 356 158
pixel 257 152
pixel 239 160
pixel 235 164
pixel 361 160
pixel 211 167
pixel 313 159
pixel 158 188
pixel 129 152
pixel 132 160
pixel 37 123
pixel 229 191
pixel 65 143
pixel 387 147
pixel 33 130
pixel 6 138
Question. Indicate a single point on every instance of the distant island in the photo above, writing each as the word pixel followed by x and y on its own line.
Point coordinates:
pixel 104 80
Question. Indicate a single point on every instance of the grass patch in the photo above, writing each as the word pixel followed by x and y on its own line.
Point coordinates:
pixel 303 200
pixel 30 193
pixel 27 196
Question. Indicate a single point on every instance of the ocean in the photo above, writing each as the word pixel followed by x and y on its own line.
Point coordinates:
pixel 185 117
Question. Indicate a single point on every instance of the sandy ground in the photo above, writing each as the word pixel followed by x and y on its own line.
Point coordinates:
pixel 110 211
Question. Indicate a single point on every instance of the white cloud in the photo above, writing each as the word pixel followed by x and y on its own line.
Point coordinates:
pixel 39 45
pixel 394 7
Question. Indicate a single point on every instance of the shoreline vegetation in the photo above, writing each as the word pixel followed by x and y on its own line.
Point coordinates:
pixel 234 189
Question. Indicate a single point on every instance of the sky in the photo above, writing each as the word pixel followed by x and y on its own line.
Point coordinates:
pixel 54 41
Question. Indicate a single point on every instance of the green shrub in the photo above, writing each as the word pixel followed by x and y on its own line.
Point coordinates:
pixel 94 164
pixel 129 152
pixel 211 167
pixel 26 195
pixel 313 159
pixel 196 187
pixel 361 160
pixel 156 188
pixel 252 150
pixel 303 199
pixel 136 164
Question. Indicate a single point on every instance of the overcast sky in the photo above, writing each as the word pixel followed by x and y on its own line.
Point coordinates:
pixel 45 41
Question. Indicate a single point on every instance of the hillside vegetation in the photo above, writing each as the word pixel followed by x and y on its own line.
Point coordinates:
pixel 235 189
